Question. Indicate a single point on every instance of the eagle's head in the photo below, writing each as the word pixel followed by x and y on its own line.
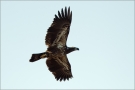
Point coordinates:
pixel 71 49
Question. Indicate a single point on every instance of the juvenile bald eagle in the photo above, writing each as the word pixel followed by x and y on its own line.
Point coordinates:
pixel 57 50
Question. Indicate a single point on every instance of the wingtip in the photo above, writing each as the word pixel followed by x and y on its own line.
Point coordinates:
pixel 63 78
pixel 64 13
pixel 69 7
pixel 56 17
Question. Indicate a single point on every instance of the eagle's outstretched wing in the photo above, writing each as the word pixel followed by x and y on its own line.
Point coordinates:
pixel 60 68
pixel 60 27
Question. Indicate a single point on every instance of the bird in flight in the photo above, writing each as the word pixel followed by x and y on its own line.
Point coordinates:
pixel 56 53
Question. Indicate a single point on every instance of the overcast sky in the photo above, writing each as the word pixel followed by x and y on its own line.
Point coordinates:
pixel 102 30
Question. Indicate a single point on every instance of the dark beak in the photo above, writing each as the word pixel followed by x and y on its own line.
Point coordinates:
pixel 77 49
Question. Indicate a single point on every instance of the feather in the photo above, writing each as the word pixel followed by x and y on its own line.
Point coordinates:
pixel 59 14
pixel 66 12
pixel 56 17
pixel 62 13
pixel 69 13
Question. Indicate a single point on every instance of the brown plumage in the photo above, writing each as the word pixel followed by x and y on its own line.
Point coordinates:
pixel 56 39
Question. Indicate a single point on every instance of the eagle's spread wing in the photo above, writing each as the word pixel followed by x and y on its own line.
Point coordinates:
pixel 60 68
pixel 59 29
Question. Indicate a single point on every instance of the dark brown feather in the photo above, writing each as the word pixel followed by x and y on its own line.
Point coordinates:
pixel 63 19
pixel 37 56
pixel 58 69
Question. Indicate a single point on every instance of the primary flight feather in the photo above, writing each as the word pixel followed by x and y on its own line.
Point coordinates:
pixel 57 50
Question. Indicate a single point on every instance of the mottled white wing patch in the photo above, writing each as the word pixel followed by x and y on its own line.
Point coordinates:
pixel 59 35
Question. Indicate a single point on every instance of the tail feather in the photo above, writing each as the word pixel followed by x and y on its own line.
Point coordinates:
pixel 36 57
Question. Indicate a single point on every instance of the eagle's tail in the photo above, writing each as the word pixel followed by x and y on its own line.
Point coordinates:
pixel 38 56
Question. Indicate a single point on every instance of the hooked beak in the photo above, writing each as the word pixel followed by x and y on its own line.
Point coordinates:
pixel 76 48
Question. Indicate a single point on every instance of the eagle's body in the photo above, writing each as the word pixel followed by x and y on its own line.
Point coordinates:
pixel 56 39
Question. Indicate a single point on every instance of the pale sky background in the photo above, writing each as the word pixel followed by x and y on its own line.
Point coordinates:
pixel 103 31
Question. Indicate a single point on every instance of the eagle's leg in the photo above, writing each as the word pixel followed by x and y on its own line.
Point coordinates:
pixel 38 56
